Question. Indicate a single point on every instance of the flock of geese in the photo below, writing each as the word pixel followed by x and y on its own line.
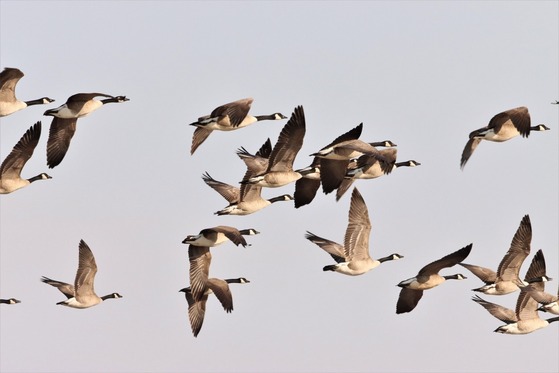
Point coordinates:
pixel 335 167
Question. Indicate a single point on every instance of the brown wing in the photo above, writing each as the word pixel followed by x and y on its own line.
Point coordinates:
pixel 447 261
pixel 541 296
pixel 526 306
pixel 196 311
pixel 502 313
pixel 484 274
pixel 236 111
pixel 82 98
pixel 471 145
pixel 232 233
pixel 519 249
pixel 356 241
pixel 222 292
pixel 200 259
pixel 9 77
pixel 60 135
pixel 20 154
pixel 519 117
pixel 352 134
pixel 289 142
pixel 407 300
pixel 229 192
pixel 536 271
pixel 305 191
pixel 332 173
pixel 87 268
pixel 63 287
pixel 198 137
pixel 343 187
pixel 335 250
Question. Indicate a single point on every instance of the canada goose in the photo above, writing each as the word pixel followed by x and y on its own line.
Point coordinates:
pixel 228 117
pixel 534 284
pixel 246 199
pixel 527 316
pixel 10 301
pixel 502 127
pixel 81 295
pixel 536 269
pixel 197 309
pixel 367 167
pixel 428 277
pixel 65 118
pixel 242 201
pixel 280 164
pixel 9 104
pixel 507 278
pixel 353 258
pixel 336 155
pixel 307 186
pixel 217 235
pixel 10 170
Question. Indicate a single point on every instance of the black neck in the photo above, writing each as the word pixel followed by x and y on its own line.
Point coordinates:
pixel 38 101
pixel 265 117
pixel 35 178
pixel 387 258
pixel 279 198
pixel 109 296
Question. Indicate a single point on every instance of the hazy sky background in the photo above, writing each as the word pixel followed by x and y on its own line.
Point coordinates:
pixel 422 74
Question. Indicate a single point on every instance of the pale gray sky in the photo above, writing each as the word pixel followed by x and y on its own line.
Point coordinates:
pixel 422 74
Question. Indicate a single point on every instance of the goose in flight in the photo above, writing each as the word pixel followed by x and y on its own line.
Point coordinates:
pixel 10 170
pixel 366 167
pixel 217 235
pixel 9 104
pixel 525 306
pixel 247 199
pixel 502 127
pixel 81 294
pixel 65 119
pixel 353 258
pixel 527 319
pixel 335 157
pixel 506 279
pixel 427 278
pixel 200 257
pixel 280 163
pixel 231 116
pixel 197 308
